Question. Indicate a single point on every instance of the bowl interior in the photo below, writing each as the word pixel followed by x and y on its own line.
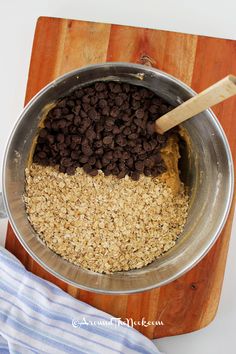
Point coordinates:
pixel 206 170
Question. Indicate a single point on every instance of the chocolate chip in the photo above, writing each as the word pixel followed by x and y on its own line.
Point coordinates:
pixel 107 140
pixel 121 165
pixel 116 130
pixel 72 129
pixel 65 153
pixel 68 140
pixel 99 151
pixel 127 131
pixel 130 162
pixel 120 140
pixel 87 167
pixel 66 162
pixel 75 146
pixel 86 150
pixel 155 171
pixel 75 155
pixel 133 136
pixel 61 124
pixel 153 109
pixel 142 156
pixel 151 127
pixel 139 123
pixel 136 96
pixel 110 122
pixel 135 175
pixel 90 134
pixel 71 170
pixel 65 111
pixel 125 155
pixel 147 146
pixel 92 113
pixel 161 168
pixel 103 94
pixel 115 112
pixel 93 172
pixel 106 111
pixel 43 133
pixel 60 146
pixel 98 164
pixel 50 139
pixel 117 154
pixel 122 174
pixel 158 157
pixel 76 139
pixel 144 93
pixel 70 103
pixel 115 87
pixel 138 149
pixel 86 99
pixel 161 138
pixel 149 162
pixel 77 120
pixel 79 93
pixel 108 126
pixel 94 100
pixel 126 87
pixel 69 117
pixel 92 160
pixel 42 155
pixel 125 117
pixel 60 138
pixel 108 154
pixel 102 103
pixel 106 172
pixel 90 91
pixel 105 161
pixel 56 112
pixel 139 166
pixel 48 124
pixel 115 171
pixel 136 104
pixel 147 172
pixel 83 159
pixel 62 169
pixel 163 109
pixel 76 109
pixel 111 166
pixel 139 113
pixel 83 114
pixel 157 101
pixel 100 86
pixel 118 101
pixel 86 107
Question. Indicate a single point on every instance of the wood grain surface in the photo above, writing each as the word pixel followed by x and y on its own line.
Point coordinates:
pixel 60 45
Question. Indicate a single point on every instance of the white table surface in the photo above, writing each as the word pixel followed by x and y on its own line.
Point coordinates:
pixel 207 17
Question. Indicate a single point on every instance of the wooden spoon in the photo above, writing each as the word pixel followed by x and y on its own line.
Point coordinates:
pixel 214 94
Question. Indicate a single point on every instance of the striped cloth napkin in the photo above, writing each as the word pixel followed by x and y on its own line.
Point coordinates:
pixel 38 317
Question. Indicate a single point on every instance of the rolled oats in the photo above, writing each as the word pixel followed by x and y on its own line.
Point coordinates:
pixel 103 223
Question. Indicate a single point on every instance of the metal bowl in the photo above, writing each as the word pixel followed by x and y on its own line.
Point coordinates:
pixel 207 170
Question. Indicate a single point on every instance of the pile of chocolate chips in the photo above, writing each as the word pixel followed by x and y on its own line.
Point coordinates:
pixel 106 126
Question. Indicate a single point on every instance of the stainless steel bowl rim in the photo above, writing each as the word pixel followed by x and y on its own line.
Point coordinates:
pixel 228 202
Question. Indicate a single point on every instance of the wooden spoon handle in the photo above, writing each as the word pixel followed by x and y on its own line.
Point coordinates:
pixel 214 94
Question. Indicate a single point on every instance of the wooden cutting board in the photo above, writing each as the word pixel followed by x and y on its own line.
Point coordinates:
pixel 60 45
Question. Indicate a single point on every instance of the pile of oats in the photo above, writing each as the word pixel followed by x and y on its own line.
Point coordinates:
pixel 103 223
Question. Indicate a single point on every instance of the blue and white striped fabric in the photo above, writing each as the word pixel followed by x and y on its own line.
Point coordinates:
pixel 38 317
